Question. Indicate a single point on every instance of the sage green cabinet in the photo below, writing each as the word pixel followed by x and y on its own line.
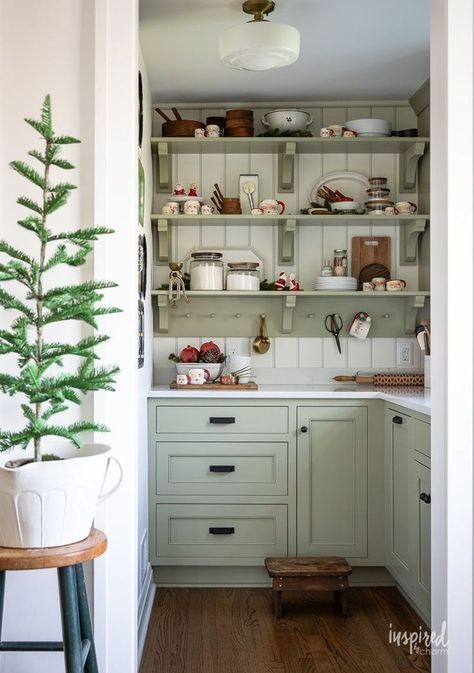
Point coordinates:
pixel 408 498
pixel 222 419
pixel 332 501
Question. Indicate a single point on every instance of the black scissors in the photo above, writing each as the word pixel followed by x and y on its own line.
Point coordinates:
pixel 334 326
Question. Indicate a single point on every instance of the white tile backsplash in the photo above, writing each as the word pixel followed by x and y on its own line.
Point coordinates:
pixel 384 352
pixel 310 351
pixel 331 355
pixel 286 352
pixel 267 360
pixel 359 353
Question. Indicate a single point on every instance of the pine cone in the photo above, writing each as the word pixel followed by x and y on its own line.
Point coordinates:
pixel 211 355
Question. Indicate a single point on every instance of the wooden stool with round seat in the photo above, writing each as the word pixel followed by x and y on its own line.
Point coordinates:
pixel 78 638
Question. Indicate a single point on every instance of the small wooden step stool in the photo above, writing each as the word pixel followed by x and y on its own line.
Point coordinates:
pixel 313 573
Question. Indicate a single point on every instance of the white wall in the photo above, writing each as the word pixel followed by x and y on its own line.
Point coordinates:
pixel 43 50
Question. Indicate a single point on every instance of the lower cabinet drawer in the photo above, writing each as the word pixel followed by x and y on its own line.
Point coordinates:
pixel 221 468
pixel 220 420
pixel 221 531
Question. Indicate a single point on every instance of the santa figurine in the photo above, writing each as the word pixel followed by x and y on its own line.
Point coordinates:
pixel 179 190
pixel 193 189
pixel 294 285
pixel 280 283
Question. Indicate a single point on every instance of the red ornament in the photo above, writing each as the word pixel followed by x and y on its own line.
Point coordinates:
pixel 189 354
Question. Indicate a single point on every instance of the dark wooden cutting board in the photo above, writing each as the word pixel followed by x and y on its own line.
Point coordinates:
pixel 370 250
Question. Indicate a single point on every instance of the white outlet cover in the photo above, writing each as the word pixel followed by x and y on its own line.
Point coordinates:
pixel 405 354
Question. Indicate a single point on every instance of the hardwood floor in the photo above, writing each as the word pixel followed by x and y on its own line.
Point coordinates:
pixel 234 631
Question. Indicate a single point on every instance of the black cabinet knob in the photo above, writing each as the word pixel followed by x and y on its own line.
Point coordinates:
pixel 426 497
pixel 397 419
pixel 304 429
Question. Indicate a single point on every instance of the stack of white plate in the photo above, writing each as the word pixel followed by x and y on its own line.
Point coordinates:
pixel 335 283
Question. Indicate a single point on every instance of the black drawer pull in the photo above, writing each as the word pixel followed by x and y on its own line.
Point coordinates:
pixel 397 419
pixel 426 497
pixel 221 468
pixel 222 420
pixel 230 530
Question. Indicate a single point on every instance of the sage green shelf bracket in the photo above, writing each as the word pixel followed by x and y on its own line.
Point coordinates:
pixel 289 305
pixel 409 235
pixel 412 304
pixel 164 240
pixel 163 313
pixel 286 242
pixel 162 159
pixel 286 168
pixel 408 168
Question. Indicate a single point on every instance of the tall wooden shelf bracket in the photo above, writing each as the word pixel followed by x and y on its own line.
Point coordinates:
pixel 412 304
pixel 409 159
pixel 164 240
pixel 409 235
pixel 163 313
pixel 289 305
pixel 163 177
pixel 286 168
pixel 286 242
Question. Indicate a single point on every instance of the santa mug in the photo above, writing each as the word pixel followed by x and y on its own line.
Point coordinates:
pixel 207 210
pixel 173 205
pixel 181 379
pixel 198 376
pixel 271 206
pixel 191 208
pixel 213 131
pixel 199 133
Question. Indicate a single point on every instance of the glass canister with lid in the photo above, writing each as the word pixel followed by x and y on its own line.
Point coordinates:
pixel 340 262
pixel 207 271
pixel 243 276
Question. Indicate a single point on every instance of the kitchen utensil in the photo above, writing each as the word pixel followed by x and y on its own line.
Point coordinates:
pixel 350 183
pixel 427 328
pixel 217 204
pixel 218 190
pixel 370 127
pixel 231 206
pixel 214 369
pixel 377 193
pixel 388 379
pixel 334 324
pixel 176 114
pixel 422 338
pixel 249 188
pixel 163 114
pixel 378 181
pixel 367 273
pixel 218 198
pixel 370 250
pixel 261 344
pixel 287 120
pixel 345 207
pixel 179 127
pixel 220 121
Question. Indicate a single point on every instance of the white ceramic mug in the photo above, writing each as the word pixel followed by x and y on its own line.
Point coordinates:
pixel 367 287
pixel 335 130
pixel 181 379
pixel 199 133
pixel 207 210
pixel 256 211
pixel 238 362
pixel 167 210
pixel 325 133
pixel 213 131
pixel 406 207
pixel 271 206
pixel 174 205
pixel 197 376
pixel 191 207
pixel 395 285
pixel 390 210
pixel 378 284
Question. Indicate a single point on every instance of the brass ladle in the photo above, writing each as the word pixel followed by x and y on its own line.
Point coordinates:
pixel 261 344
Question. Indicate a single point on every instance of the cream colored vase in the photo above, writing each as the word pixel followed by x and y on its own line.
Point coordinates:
pixel 53 503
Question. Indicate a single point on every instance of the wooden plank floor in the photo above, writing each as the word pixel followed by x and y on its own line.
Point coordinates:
pixel 233 631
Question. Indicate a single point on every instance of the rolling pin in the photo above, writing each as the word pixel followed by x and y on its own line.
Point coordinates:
pixel 387 379
pixel 357 378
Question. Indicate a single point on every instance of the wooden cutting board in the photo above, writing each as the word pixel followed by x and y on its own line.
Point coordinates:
pixel 214 386
pixel 370 250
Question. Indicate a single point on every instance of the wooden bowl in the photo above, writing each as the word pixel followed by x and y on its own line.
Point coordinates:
pixel 239 123
pixel 239 114
pixel 181 128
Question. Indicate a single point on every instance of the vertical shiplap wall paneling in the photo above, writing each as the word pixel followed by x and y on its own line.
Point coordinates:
pixel 237 236
pixel 262 237
pixel 213 235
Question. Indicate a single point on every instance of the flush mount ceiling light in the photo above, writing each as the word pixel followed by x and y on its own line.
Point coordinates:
pixel 259 44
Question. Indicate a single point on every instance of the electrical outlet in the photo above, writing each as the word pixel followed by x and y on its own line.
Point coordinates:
pixel 233 350
pixel 404 354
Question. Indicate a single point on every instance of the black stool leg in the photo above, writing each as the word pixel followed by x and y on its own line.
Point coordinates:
pixel 85 620
pixel 2 599
pixel 70 620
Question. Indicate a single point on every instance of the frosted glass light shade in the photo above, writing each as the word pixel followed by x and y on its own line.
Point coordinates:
pixel 259 45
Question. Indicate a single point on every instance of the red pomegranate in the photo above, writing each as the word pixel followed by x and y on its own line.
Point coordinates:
pixel 210 352
pixel 189 354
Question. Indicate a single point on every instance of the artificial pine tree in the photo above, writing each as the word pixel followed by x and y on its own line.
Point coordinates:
pixel 47 389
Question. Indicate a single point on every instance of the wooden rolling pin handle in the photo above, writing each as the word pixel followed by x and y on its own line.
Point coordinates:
pixel 344 378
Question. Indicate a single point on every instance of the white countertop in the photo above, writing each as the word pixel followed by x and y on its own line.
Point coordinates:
pixel 415 399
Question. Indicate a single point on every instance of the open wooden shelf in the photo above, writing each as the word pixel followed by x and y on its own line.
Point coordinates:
pixel 301 219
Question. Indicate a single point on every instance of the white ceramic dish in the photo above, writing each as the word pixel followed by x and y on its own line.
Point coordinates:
pixel 349 183
pixel 367 127
pixel 287 120
pixel 215 370
pixel 345 207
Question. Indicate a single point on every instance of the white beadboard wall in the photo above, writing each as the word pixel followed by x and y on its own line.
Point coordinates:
pixel 302 359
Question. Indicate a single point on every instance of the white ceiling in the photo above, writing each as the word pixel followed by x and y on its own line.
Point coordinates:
pixel 350 50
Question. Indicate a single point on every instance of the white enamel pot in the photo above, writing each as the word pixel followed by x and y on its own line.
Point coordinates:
pixel 287 120
pixel 53 503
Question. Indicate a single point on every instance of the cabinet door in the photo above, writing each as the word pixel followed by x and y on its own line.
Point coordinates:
pixel 332 481
pixel 399 464
pixel 422 517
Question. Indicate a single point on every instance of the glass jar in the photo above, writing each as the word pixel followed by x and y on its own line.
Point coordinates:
pixel 207 271
pixel 326 269
pixel 340 262
pixel 243 276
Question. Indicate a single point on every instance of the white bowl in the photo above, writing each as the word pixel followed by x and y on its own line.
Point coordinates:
pixel 345 206
pixel 214 369
pixel 375 127
pixel 287 120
